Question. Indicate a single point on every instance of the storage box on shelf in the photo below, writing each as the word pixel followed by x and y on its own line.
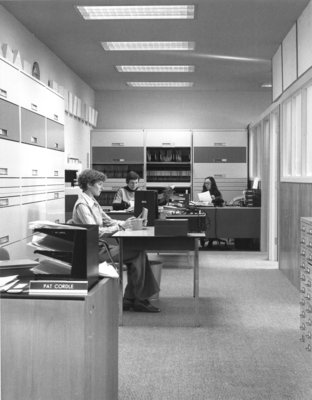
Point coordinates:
pixel 223 155
pixel 305 262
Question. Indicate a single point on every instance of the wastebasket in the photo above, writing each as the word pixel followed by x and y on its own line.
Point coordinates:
pixel 156 267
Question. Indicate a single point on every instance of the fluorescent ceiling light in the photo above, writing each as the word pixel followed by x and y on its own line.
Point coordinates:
pixel 137 12
pixel 155 68
pixel 147 46
pixel 160 84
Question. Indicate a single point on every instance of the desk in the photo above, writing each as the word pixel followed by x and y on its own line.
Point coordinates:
pixel 146 240
pixel 232 222
pixel 61 348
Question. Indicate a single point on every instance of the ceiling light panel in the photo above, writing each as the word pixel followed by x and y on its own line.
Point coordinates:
pixel 148 46
pixel 137 12
pixel 160 84
pixel 155 68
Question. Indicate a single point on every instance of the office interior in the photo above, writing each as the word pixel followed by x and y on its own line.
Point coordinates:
pixel 66 107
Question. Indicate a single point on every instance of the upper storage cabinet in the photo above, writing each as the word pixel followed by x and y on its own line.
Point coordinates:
pixel 9 82
pixel 32 94
pixel 55 135
pixel 54 106
pixel 168 138
pixel 116 138
pixel 33 128
pixel 9 122
pixel 220 138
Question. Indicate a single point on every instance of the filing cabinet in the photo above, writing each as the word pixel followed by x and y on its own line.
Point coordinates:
pixel 305 260
pixel 31 157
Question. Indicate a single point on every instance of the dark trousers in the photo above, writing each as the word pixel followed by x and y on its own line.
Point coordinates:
pixel 141 281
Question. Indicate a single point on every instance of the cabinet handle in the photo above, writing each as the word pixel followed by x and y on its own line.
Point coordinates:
pixel 217 144
pixel 33 139
pixel 56 195
pixel 56 146
pixel 167 144
pixel 34 172
pixel 4 202
pixel 3 171
pixel 220 175
pixel 4 132
pixel 34 107
pixel 56 173
pixel 119 159
pixel 118 144
pixel 3 93
pixel 4 239
pixel 55 116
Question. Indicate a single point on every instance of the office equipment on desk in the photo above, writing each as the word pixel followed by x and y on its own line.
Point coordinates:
pixel 71 246
pixel 146 199
pixel 205 196
pixel 253 198
pixel 171 227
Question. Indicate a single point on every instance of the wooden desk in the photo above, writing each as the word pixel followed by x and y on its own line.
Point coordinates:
pixel 146 240
pixel 61 348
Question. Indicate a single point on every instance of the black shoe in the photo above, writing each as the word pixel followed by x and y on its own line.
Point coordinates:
pixel 145 306
pixel 127 304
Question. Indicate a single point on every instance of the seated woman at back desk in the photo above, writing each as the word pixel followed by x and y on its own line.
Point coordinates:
pixel 210 186
pixel 124 198
pixel 216 197
pixel 141 282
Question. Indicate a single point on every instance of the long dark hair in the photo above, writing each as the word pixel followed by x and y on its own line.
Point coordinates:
pixel 214 187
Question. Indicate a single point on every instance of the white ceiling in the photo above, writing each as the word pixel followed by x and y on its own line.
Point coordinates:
pixel 238 28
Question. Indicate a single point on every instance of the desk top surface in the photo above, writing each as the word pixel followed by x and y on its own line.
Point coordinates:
pixel 149 231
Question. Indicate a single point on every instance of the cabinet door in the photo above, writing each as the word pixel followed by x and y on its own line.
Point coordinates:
pixel 33 161
pixel 10 227
pixel 9 123
pixel 54 106
pixel 32 94
pixel 32 128
pixel 56 207
pixel 55 135
pixel 220 154
pixel 117 155
pixel 55 164
pixel 168 138
pixel 9 82
pixel 116 138
pixel 219 170
pixel 220 138
pixel 33 209
pixel 10 154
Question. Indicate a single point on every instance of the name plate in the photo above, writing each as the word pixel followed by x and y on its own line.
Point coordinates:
pixel 58 288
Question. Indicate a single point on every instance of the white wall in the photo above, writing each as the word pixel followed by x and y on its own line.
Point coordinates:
pixel 77 134
pixel 179 109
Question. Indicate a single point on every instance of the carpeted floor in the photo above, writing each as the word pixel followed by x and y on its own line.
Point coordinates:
pixel 247 347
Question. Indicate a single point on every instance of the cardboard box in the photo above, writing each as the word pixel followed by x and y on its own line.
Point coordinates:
pixel 171 227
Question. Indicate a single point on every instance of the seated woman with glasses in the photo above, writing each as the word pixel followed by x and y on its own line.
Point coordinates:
pixel 141 282
pixel 211 186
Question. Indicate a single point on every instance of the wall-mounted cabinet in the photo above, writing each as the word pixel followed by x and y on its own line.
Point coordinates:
pixel 115 153
pixel 31 175
pixel 223 155
pixel 33 128
pixel 9 82
pixel 9 127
